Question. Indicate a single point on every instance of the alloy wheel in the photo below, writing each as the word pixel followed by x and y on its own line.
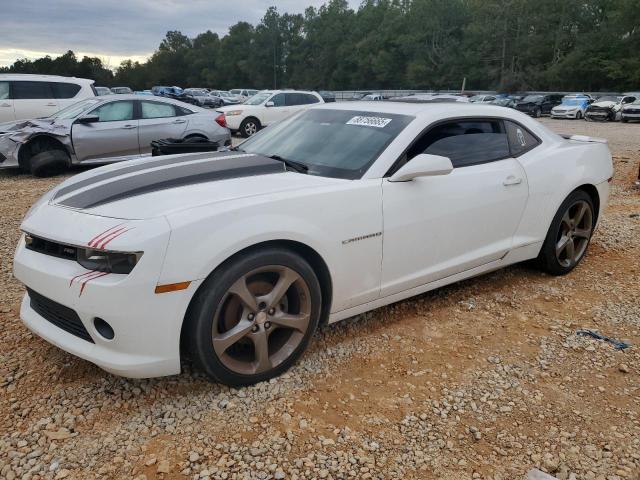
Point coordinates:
pixel 576 227
pixel 261 320
pixel 250 128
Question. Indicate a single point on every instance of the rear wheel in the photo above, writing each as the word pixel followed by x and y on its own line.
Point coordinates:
pixel 253 318
pixel 537 113
pixel 569 235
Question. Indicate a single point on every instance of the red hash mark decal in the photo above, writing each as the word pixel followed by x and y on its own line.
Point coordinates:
pixel 84 281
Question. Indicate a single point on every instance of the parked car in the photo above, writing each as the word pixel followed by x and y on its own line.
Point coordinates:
pixel 504 102
pixel 202 98
pixel 630 111
pixel 482 98
pixel 537 105
pixel 328 97
pixel 166 91
pixel 608 108
pixel 100 91
pixel 143 92
pixel 266 108
pixel 431 98
pixel 234 258
pixel 572 106
pixel 25 96
pixel 226 97
pixel 243 93
pixel 104 129
pixel 121 90
pixel 372 97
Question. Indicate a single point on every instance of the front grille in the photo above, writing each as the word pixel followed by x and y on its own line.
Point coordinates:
pixel 49 247
pixel 599 110
pixel 62 317
pixel 559 111
pixel 632 110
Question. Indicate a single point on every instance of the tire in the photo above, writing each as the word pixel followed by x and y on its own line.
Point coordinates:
pixel 569 235
pixel 537 113
pixel 624 120
pixel 249 126
pixel 49 163
pixel 579 115
pixel 236 298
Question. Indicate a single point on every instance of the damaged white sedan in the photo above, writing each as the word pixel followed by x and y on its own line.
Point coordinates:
pixel 234 258
pixel 104 129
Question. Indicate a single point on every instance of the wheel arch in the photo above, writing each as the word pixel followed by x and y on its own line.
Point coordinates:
pixel 592 191
pixel 314 259
pixel 26 150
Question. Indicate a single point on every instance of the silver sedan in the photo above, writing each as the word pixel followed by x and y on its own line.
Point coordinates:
pixel 104 129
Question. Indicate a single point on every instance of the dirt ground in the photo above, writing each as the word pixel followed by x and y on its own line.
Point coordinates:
pixel 483 379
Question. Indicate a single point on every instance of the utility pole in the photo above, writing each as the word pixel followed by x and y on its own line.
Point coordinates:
pixel 464 83
pixel 275 74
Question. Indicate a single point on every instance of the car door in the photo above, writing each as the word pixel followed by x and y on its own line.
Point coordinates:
pixel 159 120
pixel 278 111
pixel 114 134
pixel 32 99
pixel 6 103
pixel 435 227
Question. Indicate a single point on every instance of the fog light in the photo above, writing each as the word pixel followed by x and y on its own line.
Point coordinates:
pixel 103 328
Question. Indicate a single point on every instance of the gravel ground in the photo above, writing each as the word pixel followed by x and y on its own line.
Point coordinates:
pixel 483 379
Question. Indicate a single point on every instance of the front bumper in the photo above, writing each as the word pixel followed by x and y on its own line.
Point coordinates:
pixel 146 325
pixel 633 116
pixel 8 152
pixel 600 115
pixel 565 114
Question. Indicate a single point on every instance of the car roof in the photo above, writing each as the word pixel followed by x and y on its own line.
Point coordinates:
pixel 432 109
pixel 35 77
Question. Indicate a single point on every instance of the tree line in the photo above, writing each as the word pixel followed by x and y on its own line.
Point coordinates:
pixel 505 45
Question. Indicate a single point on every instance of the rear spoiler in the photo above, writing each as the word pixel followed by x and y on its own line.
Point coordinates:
pixel 583 138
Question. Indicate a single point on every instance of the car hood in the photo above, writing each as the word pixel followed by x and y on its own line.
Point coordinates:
pixel 49 125
pixel 606 104
pixel 165 185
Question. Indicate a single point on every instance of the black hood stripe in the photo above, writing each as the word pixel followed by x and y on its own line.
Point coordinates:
pixel 189 174
pixel 139 167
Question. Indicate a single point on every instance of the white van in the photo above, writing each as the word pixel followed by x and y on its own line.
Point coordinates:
pixel 24 96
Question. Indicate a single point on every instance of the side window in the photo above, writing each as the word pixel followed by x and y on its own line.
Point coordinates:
pixel 293 99
pixel 4 90
pixel 64 90
pixel 114 111
pixel 278 100
pixel 31 90
pixel 157 110
pixel 465 142
pixel 182 111
pixel 521 140
pixel 308 99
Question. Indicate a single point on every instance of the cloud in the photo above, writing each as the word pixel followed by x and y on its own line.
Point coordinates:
pixel 120 29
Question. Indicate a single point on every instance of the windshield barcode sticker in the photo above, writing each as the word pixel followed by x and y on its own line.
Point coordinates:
pixel 377 122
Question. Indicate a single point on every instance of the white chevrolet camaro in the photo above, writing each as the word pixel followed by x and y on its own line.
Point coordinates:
pixel 234 258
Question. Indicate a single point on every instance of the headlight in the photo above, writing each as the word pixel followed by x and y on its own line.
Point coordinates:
pixel 233 112
pixel 104 261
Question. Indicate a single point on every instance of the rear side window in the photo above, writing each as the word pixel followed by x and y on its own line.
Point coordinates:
pixel 521 140
pixel 278 100
pixel 157 110
pixel 465 142
pixel 64 90
pixel 30 90
pixel 4 90
pixel 114 111
pixel 300 99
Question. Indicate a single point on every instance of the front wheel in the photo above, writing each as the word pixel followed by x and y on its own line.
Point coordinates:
pixel 569 234
pixel 249 126
pixel 579 115
pixel 253 317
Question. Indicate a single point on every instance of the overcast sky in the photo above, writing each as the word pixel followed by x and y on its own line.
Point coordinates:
pixel 116 30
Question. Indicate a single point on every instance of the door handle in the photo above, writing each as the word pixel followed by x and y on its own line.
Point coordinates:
pixel 179 121
pixel 512 180
pixel 129 127
pixel 5 104
pixel 52 104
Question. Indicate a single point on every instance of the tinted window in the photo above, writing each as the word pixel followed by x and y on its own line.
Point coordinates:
pixel 157 110
pixel 114 111
pixel 4 90
pixel 520 139
pixel 31 90
pixel 465 142
pixel 64 90
pixel 278 100
pixel 292 99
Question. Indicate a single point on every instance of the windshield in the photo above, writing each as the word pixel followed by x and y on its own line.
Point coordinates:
pixel 476 98
pixel 572 102
pixel 332 143
pixel 532 98
pixel 72 111
pixel 609 99
pixel 258 99
pixel 235 91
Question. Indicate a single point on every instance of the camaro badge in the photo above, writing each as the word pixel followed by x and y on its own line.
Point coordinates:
pixel 363 237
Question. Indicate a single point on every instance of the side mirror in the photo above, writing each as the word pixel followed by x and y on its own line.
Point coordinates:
pixel 88 119
pixel 269 104
pixel 423 165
